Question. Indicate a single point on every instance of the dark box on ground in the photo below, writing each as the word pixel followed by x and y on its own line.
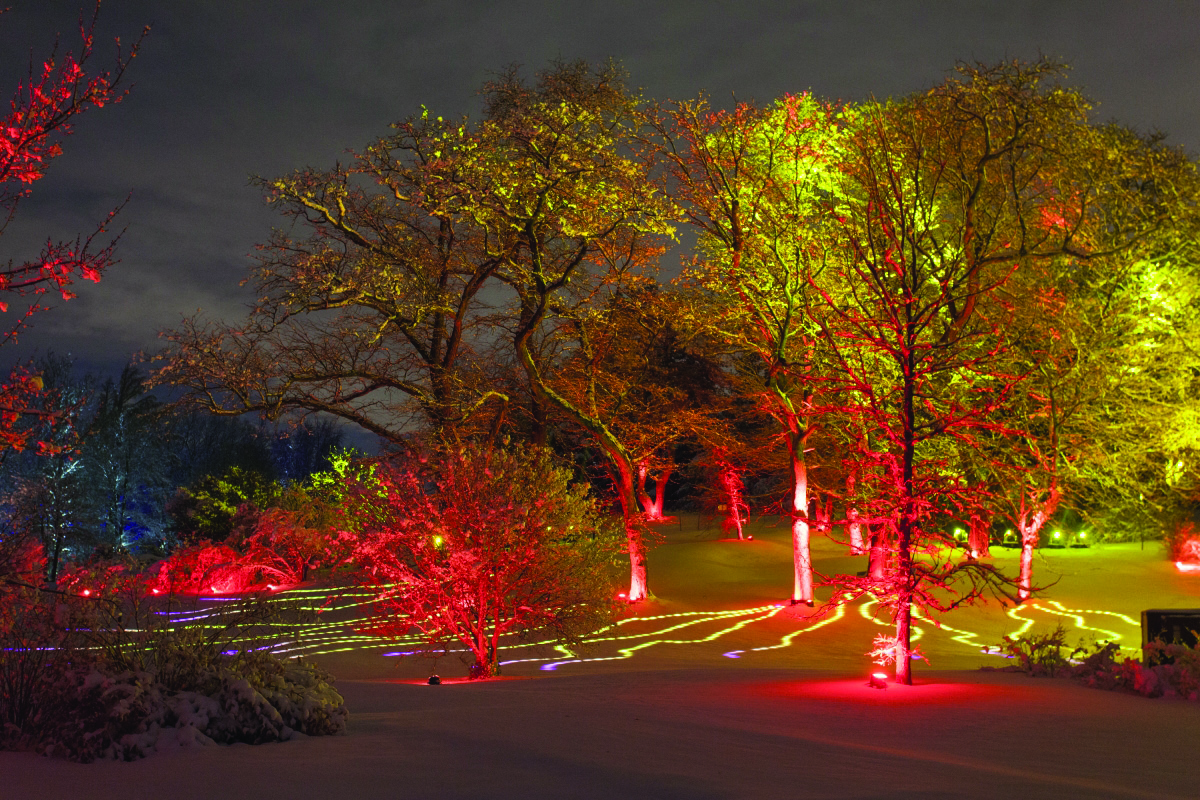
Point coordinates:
pixel 1171 625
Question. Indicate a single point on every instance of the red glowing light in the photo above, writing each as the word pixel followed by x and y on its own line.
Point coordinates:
pixel 1187 566
pixel 86 592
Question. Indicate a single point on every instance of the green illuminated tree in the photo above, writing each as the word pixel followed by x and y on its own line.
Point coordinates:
pixel 1102 340
pixel 756 183
pixel 1139 471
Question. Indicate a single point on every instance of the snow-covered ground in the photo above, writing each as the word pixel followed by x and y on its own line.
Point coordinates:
pixel 716 690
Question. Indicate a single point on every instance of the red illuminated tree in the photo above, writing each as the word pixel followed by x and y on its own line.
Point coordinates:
pixel 475 545
pixel 948 194
pixel 731 491
pixel 41 114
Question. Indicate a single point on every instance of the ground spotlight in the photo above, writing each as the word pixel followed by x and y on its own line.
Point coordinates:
pixel 878 680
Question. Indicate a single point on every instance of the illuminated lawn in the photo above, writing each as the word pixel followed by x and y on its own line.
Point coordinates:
pixel 723 601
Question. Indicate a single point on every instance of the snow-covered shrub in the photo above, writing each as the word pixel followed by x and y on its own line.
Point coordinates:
pixel 32 648
pixel 1039 654
pixel 1173 671
pixel 84 714
pixel 107 674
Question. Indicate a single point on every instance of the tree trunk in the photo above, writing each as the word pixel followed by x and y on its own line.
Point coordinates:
pixel 977 539
pixel 904 641
pixel 802 589
pixel 660 493
pixel 487 664
pixel 652 507
pixel 733 519
pixel 633 534
pixel 854 528
pixel 56 553
pixel 907 529
pixel 1025 579
pixel 877 561
pixel 537 420
pixel 1030 523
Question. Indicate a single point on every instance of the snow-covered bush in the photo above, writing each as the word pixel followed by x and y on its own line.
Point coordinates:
pixel 106 674
pixel 84 713
pixel 1173 669
pixel 1039 654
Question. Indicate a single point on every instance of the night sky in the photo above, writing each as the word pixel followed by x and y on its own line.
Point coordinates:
pixel 226 90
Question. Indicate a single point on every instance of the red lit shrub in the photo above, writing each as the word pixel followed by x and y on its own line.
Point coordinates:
pixel 204 569
pixel 473 545
pixel 1173 671
pixel 1183 544
pixel 283 547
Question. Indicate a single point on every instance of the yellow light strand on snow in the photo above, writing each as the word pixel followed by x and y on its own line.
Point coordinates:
pixel 787 639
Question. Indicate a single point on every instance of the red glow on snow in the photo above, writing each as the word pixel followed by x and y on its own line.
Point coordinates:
pixel 463 681
pixel 922 692
pixel 1187 566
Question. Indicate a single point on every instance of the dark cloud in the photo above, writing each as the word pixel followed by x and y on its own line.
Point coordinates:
pixel 227 89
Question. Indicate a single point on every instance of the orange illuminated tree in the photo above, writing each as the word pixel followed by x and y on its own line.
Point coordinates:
pixel 375 314
pixel 567 192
